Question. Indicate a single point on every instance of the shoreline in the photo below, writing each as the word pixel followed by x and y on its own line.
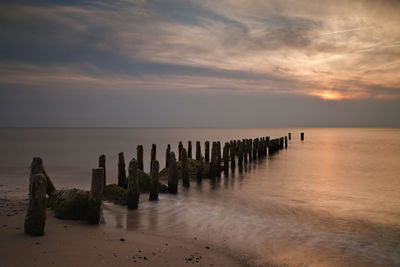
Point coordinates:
pixel 68 242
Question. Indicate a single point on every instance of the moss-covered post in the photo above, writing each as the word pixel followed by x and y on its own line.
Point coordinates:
pixel 232 155
pixel 121 170
pixel 198 150
pixel 302 136
pixel 95 196
pixel 180 147
pixel 207 151
pixel 153 156
pixel 154 181
pixel 36 168
pixel 226 158
pixel 167 156
pixel 139 156
pixel 285 141
pixel 172 175
pixel 290 136
pixel 102 164
pixel 189 152
pixel 199 171
pixel 185 170
pixel 35 219
pixel 133 185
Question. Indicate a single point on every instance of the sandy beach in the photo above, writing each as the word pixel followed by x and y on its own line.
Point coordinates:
pixel 75 243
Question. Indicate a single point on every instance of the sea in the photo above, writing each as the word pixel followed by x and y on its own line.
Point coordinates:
pixel 330 200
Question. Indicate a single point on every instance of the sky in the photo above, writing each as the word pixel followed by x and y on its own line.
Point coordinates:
pixel 200 63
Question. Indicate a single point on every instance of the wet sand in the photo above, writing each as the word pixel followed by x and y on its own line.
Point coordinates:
pixel 75 243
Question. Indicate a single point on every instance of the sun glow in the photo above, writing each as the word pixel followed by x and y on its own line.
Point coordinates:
pixel 328 95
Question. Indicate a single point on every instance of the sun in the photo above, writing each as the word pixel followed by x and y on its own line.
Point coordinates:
pixel 328 95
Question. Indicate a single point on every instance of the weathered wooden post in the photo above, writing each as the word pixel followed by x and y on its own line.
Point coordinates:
pixel 240 154
pixel 180 147
pixel 245 151
pixel 121 170
pixel 266 145
pixel 232 152
pixel 285 141
pixel 189 149
pixel 35 219
pixel 133 185
pixel 255 147
pixel 281 142
pixel 172 175
pixel 199 173
pixel 153 156
pixel 260 148
pixel 213 163
pixel 185 170
pixel 154 181
pixel 302 136
pixel 290 136
pixel 226 157
pixel 102 164
pixel 95 196
pixel 219 159
pixel 139 155
pixel 167 155
pixel 250 150
pixel 198 150
pixel 37 168
pixel 207 151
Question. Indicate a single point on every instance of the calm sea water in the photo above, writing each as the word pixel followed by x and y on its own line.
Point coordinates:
pixel 331 200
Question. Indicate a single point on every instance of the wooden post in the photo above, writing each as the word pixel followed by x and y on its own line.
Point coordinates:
pixel 154 181
pixel 185 170
pixel 189 149
pixel 219 159
pixel 213 163
pixel 198 150
pixel 167 156
pixel 37 168
pixel 153 156
pixel 245 149
pixel 35 219
pixel 102 164
pixel 285 141
pixel 281 142
pixel 250 150
pixel 121 170
pixel 255 147
pixel 199 173
pixel 240 154
pixel 232 155
pixel 290 136
pixel 302 136
pixel 180 147
pixel 207 152
pixel 172 175
pixel 139 155
pixel 133 185
pixel 226 157
pixel 266 145
pixel 95 196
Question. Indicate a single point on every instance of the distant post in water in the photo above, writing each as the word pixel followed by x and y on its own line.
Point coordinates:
pixel 219 159
pixel 226 157
pixel 154 181
pixel 290 136
pixel 121 170
pixel 35 219
pixel 180 147
pixel 250 150
pixel 139 155
pixel 302 136
pixel 199 173
pixel 102 164
pixel 245 151
pixel 285 141
pixel 172 175
pixel 189 149
pixel 153 156
pixel 213 163
pixel 232 152
pixel 185 170
pixel 198 150
pixel 95 196
pixel 133 185
pixel 207 151
pixel 167 155
pixel 240 154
